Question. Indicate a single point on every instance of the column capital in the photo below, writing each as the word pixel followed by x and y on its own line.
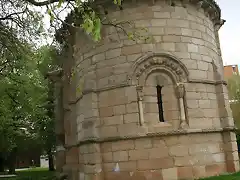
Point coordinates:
pixel 139 92
pixel 180 90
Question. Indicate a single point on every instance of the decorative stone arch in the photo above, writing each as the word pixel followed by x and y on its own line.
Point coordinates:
pixel 158 61
pixel 163 65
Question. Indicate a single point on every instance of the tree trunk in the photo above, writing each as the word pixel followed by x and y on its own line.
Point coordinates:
pixel 50 161
pixel 11 161
pixel 11 168
pixel 1 164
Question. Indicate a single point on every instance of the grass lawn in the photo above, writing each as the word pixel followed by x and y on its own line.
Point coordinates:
pixel 225 177
pixel 32 174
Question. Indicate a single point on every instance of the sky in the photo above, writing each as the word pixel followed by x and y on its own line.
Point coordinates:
pixel 230 31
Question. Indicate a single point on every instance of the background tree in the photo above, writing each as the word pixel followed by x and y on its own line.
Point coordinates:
pixel 22 92
pixel 26 111
pixel 234 96
pixel 47 57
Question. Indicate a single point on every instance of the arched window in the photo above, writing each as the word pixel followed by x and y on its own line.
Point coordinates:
pixel 158 77
pixel 160 103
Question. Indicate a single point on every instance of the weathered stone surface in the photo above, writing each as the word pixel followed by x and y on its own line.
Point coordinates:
pixel 116 120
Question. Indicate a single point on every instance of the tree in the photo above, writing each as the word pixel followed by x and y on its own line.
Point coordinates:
pixel 47 61
pixel 234 96
pixel 22 92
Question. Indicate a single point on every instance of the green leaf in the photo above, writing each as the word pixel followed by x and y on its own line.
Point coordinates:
pixel 97 34
pixel 119 2
pixel 131 35
pixel 51 18
pixel 78 2
pixel 60 3
pixel 49 12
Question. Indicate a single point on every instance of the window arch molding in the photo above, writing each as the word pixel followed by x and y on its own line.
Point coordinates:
pixel 161 62
pixel 157 69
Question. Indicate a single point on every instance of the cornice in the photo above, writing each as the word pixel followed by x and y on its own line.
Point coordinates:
pixel 153 134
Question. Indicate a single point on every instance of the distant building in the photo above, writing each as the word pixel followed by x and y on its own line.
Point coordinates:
pixel 230 70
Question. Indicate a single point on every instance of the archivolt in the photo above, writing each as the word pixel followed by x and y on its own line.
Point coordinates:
pixel 158 62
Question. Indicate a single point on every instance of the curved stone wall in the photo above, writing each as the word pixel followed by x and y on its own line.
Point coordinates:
pixel 116 99
pixel 183 32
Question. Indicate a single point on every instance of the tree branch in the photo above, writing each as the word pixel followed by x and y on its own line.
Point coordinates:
pixel 43 3
pixel 9 16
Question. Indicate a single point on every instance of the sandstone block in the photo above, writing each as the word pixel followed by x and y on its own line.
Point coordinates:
pixel 142 23
pixel 163 163
pixel 128 166
pixel 215 169
pixel 166 46
pixel 181 47
pixel 204 104
pixel 178 23
pixel 158 22
pixel 106 111
pixel 138 154
pixel 94 148
pixel 231 146
pixel 107 157
pixel 156 31
pixel 178 150
pixel 203 65
pixel 185 172
pixel 148 48
pixel 186 32
pixel 109 131
pixel 229 137
pixel 161 15
pixel 158 153
pixel 123 145
pixel 172 140
pixel 172 31
pixel 106 147
pixel 121 68
pixel 192 104
pixel 171 174
pixel 120 156
pixel 131 118
pixel 127 50
pixel 129 129
pixel 232 166
pixel 199 171
pixel 114 120
pixel 192 48
pixel 171 38
pixel 120 109
pixel 133 57
pixel 185 161
pixel 108 167
pixel 93 158
pixel 158 143
pixel 143 143
pixel 98 57
pixel 132 107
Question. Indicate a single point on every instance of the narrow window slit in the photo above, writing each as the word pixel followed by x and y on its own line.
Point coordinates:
pixel 160 105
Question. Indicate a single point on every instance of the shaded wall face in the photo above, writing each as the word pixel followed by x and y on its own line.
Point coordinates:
pixel 183 57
